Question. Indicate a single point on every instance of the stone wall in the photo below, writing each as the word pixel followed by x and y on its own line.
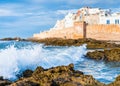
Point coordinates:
pixel 67 33
pixel 82 30
pixel 103 32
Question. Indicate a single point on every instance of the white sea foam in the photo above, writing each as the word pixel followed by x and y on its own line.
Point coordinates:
pixel 14 60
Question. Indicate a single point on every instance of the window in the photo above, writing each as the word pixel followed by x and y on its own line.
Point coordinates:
pixel 108 22
pixel 117 21
pixel 106 14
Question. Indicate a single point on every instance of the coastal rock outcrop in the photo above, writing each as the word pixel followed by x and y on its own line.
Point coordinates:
pixel 58 76
pixel 4 82
pixel 27 73
pixel 10 39
pixel 91 43
pixel 107 55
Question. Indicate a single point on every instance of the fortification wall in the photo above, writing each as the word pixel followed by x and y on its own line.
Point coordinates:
pixel 67 33
pixel 103 32
pixel 82 30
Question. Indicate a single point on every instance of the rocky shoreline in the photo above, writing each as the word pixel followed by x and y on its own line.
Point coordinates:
pixel 56 76
pixel 4 82
pixel 66 75
pixel 16 39
pixel 110 55
pixel 91 43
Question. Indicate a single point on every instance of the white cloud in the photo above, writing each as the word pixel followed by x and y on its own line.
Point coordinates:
pixel 6 12
pixel 31 19
pixel 64 12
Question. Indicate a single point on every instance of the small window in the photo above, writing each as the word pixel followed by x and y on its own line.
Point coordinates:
pixel 106 14
pixel 108 22
pixel 117 21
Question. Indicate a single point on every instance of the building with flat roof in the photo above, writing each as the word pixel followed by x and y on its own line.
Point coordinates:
pixel 87 22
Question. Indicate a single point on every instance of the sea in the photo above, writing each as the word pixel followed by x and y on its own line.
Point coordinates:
pixel 17 56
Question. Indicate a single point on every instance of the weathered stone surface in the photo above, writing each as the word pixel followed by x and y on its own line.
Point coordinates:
pixel 91 43
pixel 58 76
pixel 107 55
pixel 25 83
pixel 94 31
pixel 27 73
pixel 4 82
pixel 16 39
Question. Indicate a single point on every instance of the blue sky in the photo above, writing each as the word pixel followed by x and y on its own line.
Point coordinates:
pixel 23 18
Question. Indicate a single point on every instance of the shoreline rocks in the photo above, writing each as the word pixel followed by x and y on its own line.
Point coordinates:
pixel 4 82
pixel 66 75
pixel 91 43
pixel 58 76
pixel 111 55
pixel 11 39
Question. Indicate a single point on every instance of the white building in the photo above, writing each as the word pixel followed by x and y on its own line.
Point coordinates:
pixel 112 19
pixel 90 16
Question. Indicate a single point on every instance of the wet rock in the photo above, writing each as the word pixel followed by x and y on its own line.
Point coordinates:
pixel 58 76
pixel 1 78
pixel 27 73
pixel 77 73
pixel 97 55
pixel 10 39
pixel 25 83
pixel 107 55
pixel 4 82
pixel 91 43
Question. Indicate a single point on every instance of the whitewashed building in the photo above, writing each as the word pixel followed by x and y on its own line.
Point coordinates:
pixel 90 16
pixel 99 16
pixel 111 19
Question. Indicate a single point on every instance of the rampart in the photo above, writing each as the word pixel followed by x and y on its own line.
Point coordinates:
pixel 103 32
pixel 83 30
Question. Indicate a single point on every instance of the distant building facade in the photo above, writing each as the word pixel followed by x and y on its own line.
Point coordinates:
pixel 87 22
pixel 99 16
pixel 112 19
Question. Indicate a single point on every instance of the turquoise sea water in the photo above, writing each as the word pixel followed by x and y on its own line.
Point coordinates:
pixel 15 57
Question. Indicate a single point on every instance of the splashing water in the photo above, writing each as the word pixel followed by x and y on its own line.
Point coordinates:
pixel 14 60
pixel 15 57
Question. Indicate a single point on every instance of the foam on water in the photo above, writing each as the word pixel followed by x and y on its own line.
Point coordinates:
pixel 15 57
pixel 15 60
pixel 102 71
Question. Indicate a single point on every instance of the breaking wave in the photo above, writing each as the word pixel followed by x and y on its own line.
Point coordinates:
pixel 15 59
